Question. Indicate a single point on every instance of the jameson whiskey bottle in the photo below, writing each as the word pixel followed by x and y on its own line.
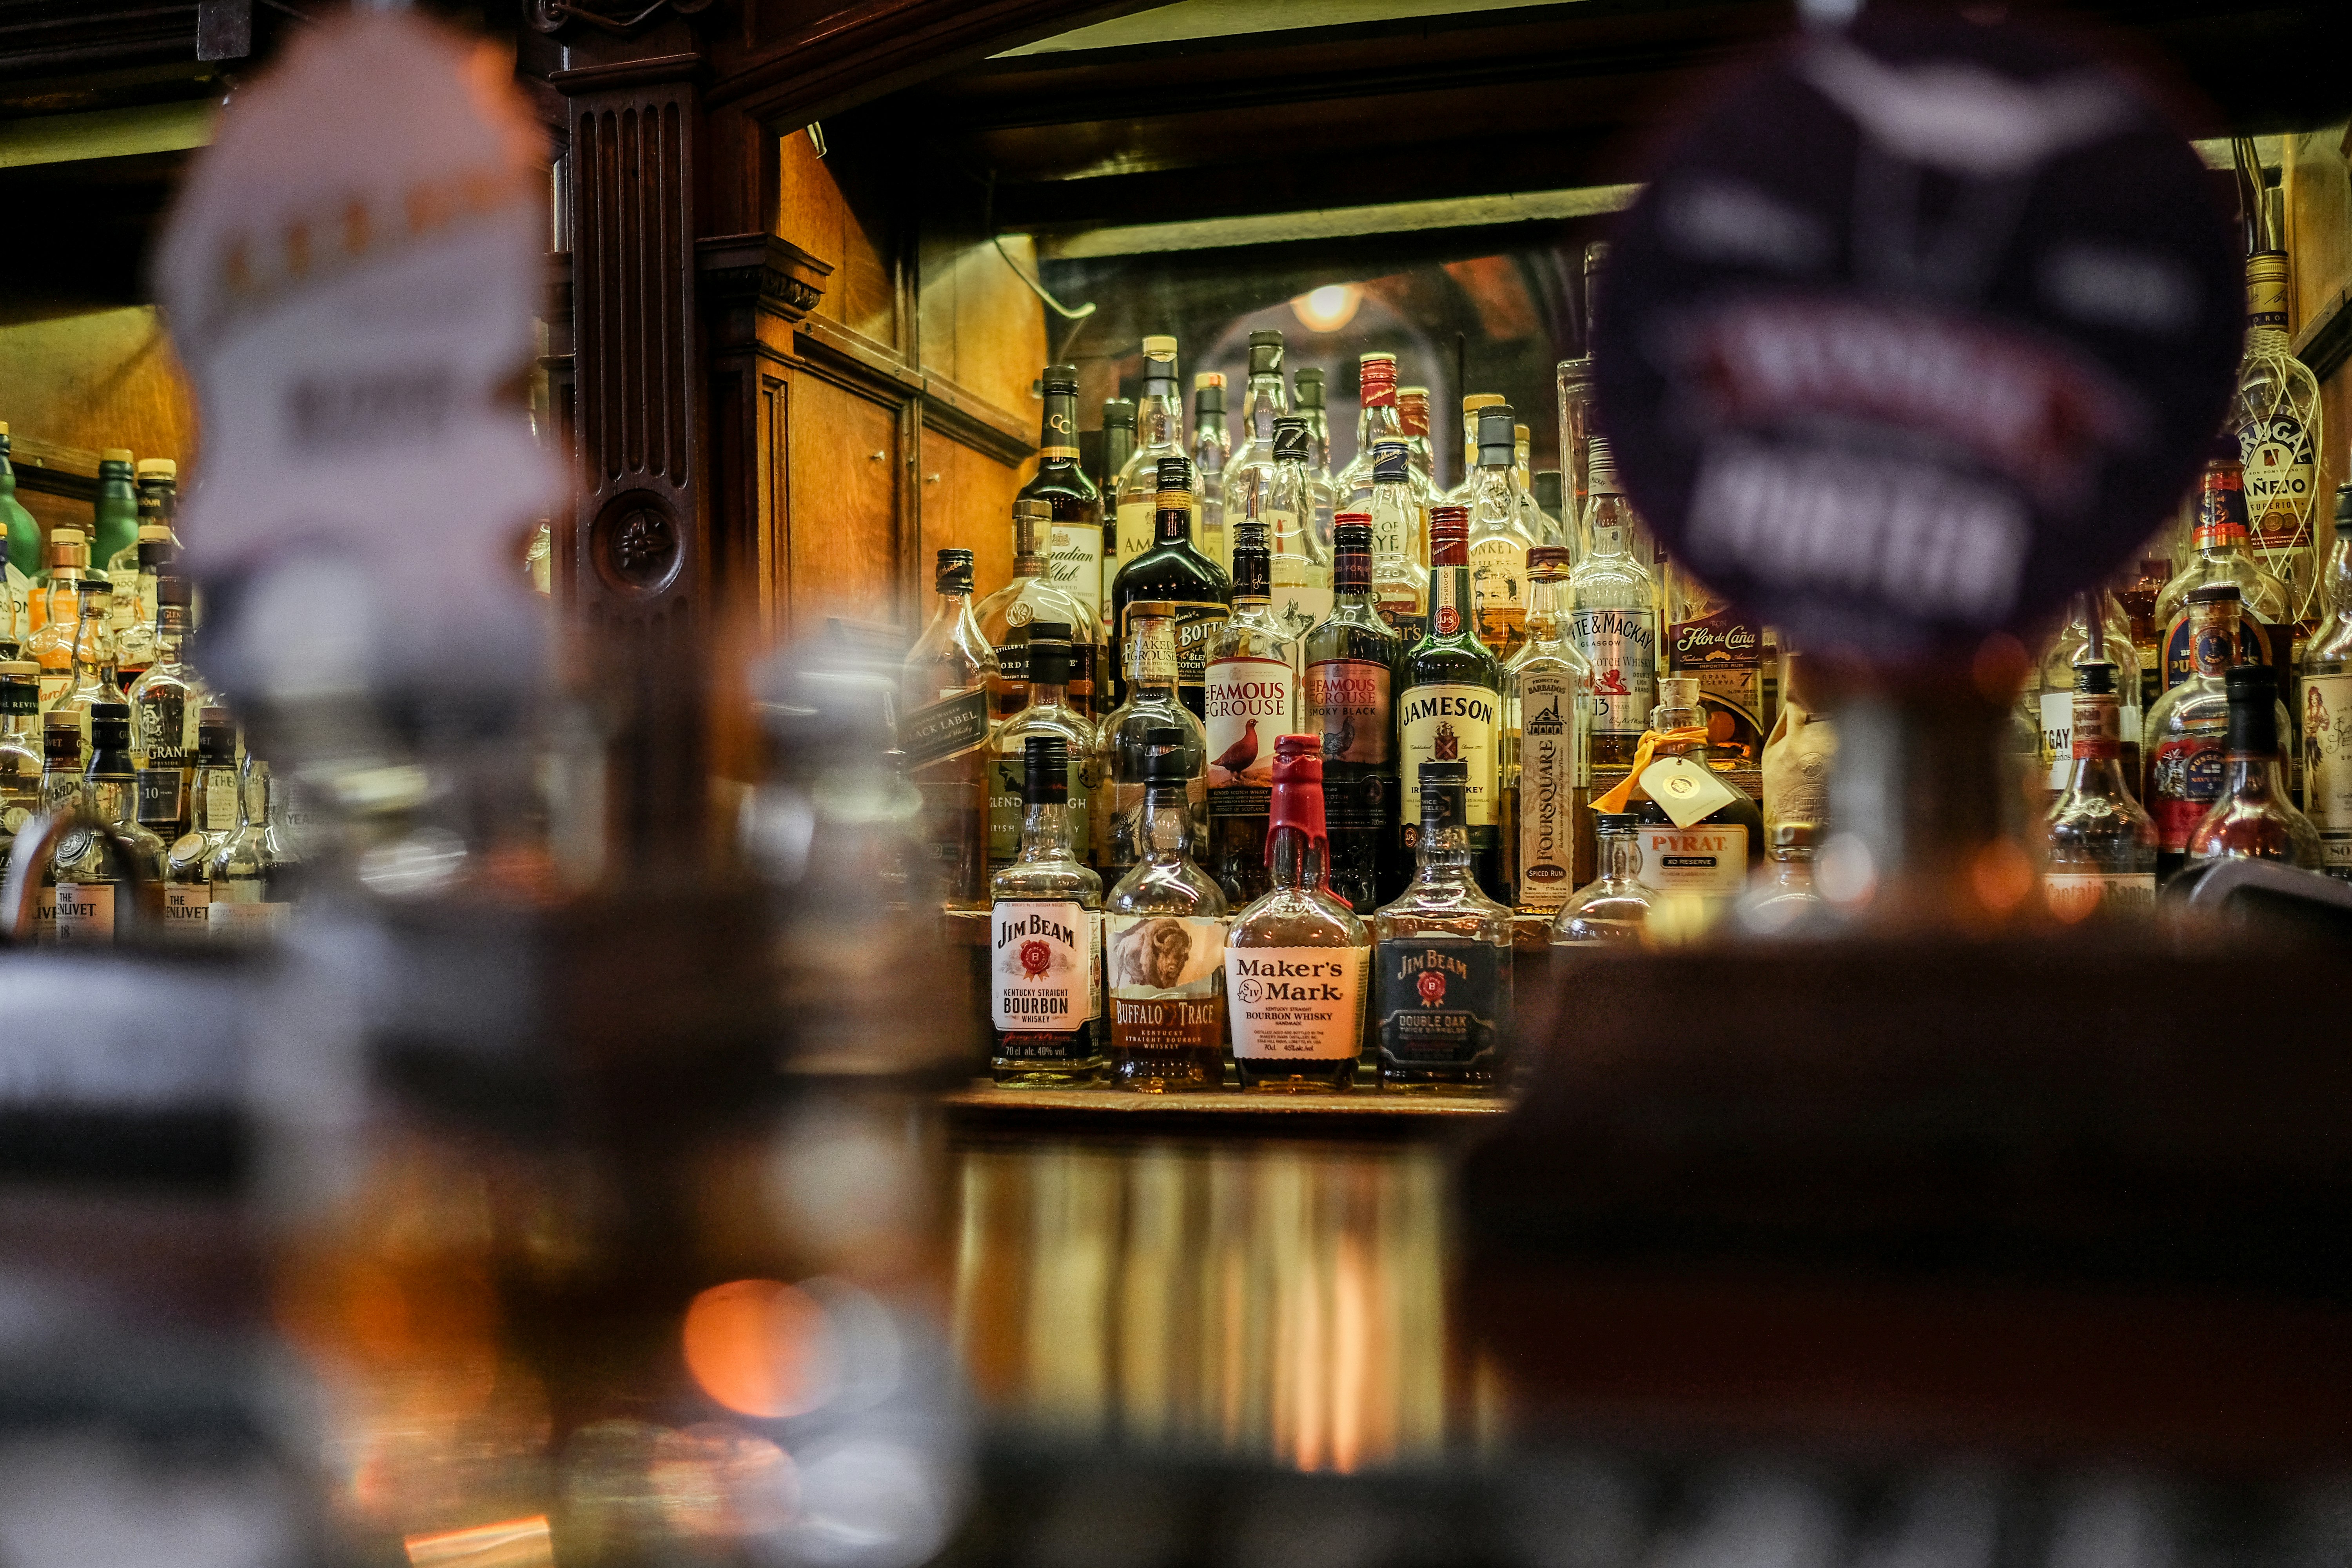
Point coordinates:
pixel 1073 534
pixel 1044 933
pixel 2099 846
pixel 1251 696
pixel 1544 775
pixel 944 691
pixel 1350 659
pixel 1449 704
pixel 1443 994
pixel 1174 574
pixel 1047 652
pixel 1164 943
pixel 2327 705
pixel 1615 622
pixel 1298 960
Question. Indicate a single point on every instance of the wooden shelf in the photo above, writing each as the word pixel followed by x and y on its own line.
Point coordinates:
pixel 984 1110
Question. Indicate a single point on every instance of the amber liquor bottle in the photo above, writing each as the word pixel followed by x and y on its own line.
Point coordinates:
pixel 2253 819
pixel 1298 961
pixel 945 691
pixel 1173 571
pixel 1350 657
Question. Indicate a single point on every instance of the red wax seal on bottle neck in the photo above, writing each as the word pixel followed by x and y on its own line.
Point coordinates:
pixel 1297 791
pixel 1449 536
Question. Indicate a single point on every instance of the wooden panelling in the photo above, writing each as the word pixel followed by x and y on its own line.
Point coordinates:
pixel 968 504
pixel 90 379
pixel 838 209
pixel 845 457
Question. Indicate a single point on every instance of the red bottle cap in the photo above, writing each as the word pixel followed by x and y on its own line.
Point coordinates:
pixel 1297 791
pixel 1449 536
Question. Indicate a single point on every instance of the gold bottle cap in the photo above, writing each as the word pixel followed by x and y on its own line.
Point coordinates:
pixel 1520 433
pixel 1477 400
pixel 115 454
pixel 1159 347
pixel 67 534
pixel 156 469
pixel 1208 378
pixel 148 530
pixel 4 427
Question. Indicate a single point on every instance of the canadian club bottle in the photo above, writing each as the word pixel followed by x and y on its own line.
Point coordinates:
pixel 944 692
pixel 1174 574
pixel 1045 936
pixel 1449 703
pixel 1350 658
pixel 1164 942
pixel 1251 696
pixel 1444 992
pixel 1297 961
pixel 2099 845
pixel 1073 555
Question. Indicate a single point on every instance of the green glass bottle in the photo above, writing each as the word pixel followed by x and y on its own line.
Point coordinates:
pixel 1449 705
pixel 118 507
pixel 24 549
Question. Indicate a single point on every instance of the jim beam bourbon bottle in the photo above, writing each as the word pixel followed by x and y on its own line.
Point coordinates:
pixel 1044 933
pixel 1164 942
pixel 1444 960
pixel 1298 959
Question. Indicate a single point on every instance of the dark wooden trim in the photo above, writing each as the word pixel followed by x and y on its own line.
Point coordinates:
pixel 855 359
pixel 622 74
pixel 763 269
pixel 49 469
pixel 965 417
pixel 2325 341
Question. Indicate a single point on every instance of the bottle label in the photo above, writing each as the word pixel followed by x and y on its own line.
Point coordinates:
pixel 1248 702
pixel 1499 588
pixel 1621 646
pixel 1299 601
pixel 1711 860
pixel 2057 738
pixel 186 907
pixel 1044 970
pixel 1298 1003
pixel 2181 650
pixel 1686 790
pixel 2221 507
pixel 1400 608
pixel 1167 982
pixel 44 915
pixel 1444 724
pixel 1347 705
pixel 54 684
pixel 1074 562
pixel 2077 895
pixel 1551 765
pixel 1197 629
pixel 1442 1004
pixel 1395 531
pixel 945 729
pixel 2328 762
pixel 2279 479
pixel 1715 641
pixel 239 916
pixel 1137 531
pixel 217 801
pixel 85 911
pixel 161 797
pixel 161 735
pixel 1006 809
pixel 2184 779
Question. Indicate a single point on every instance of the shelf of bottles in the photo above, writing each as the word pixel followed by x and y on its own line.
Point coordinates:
pixel 1257 772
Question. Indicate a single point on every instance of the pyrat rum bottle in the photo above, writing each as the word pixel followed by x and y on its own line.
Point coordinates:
pixel 2252 819
pixel 1251 696
pixel 1164 943
pixel 1443 997
pixel 2099 844
pixel 1700 835
pixel 1346 700
pixel 1044 947
pixel 944 702
pixel 1449 702
pixel 1297 961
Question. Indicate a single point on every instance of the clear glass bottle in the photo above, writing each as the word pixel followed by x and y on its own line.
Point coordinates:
pixel 2252 819
pixel 2265 624
pixel 156 481
pixel 20 750
pixel 1449 699
pixel 1285 505
pixel 1164 943
pixel 1118 446
pixel 1213 445
pixel 167 701
pixel 1613 908
pixel 1379 418
pixel 2327 702
pixel 1046 655
pixel 1032 597
pixel 216 810
pixel 2275 416
pixel 1195 590
pixel 2068 652
pixel 247 893
pixel 1780 902
pixel 1499 538
pixel 1413 423
pixel 1346 699
pixel 945 708
pixel 135 606
pixel 2098 843
pixel 100 865
pixel 1465 493
pixel 1159 434
pixel 1615 621
pixel 1252 697
pixel 1544 775
pixel 92 677
pixel 57 612
pixel 2182 747
pixel 1045 953
pixel 1151 703
pixel 1443 998
pixel 1298 960
pixel 1400 533
pixel 1540 523
pixel 1074 542
pixel 1266 397
pixel 1307 397
pixel 61 787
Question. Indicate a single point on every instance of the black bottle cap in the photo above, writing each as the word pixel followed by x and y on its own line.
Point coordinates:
pixel 60 739
pixel 1444 794
pixel 953 573
pixel 1164 759
pixel 1118 413
pixel 1060 378
pixel 2254 710
pixel 1550 489
pixel 1253 562
pixel 1045 770
pixel 1049 657
pixel 1175 474
pixel 170 588
pixel 1351 537
pixel 155 552
pixel 1497 431
pixel 1265 353
pixel 2094 679
pixel 110 727
pixel 2213 593
pixel 1209 396
pixel 94 583
pixel 1291 444
pixel 1391 462
pixel 1309 384
pixel 1615 825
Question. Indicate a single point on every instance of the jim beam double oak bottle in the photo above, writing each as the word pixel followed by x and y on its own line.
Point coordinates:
pixel 1443 997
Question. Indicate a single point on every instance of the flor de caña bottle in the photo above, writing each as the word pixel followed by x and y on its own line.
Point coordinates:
pixel 1045 936
pixel 1298 960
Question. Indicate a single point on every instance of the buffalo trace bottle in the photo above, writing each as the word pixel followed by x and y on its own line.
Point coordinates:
pixel 1350 657
pixel 1615 622
pixel 2252 819
pixel 2099 844
pixel 1046 652
pixel 1443 957
pixel 1044 941
pixel 944 698
pixel 1252 696
pixel 1150 704
pixel 2328 704
pixel 1164 943
pixel 1449 705
pixel 1172 573
pixel 1297 959
pixel 1542 769
pixel 2187 726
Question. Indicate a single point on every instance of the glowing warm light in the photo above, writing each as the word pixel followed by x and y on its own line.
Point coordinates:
pixel 1328 309
pixel 759 1347
pixel 509 1543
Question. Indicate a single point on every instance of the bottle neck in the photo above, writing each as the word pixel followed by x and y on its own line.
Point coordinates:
pixel 1449 599
pixel 1265 397
pixel 2252 778
pixel 2097 760
pixel 1377 422
pixel 1157 417
pixel 1045 831
pixel 1605 521
pixel 1351 578
pixel 1548 606
pixel 1057 437
pixel 1167 821
pixel 1663 720
pixel 1174 523
pixel 1444 853
pixel 1048 693
pixel 1298 860
pixel 1619 858
pixel 1151 658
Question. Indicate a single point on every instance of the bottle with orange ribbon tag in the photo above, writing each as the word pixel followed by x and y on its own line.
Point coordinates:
pixel 1700 835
